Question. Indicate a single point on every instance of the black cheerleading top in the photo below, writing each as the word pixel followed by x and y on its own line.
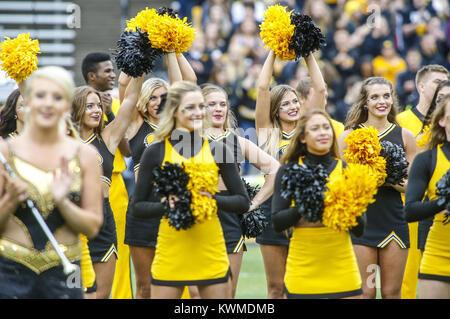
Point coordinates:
pixel 420 174
pixel 285 216
pixel 187 144
pixel 105 157
pixel 385 217
pixel 231 140
pixel 141 141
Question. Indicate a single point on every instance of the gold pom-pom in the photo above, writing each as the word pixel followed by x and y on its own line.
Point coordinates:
pixel 423 138
pixel 170 34
pixel 364 148
pixel 202 177
pixel 348 196
pixel 18 57
pixel 143 20
pixel 277 31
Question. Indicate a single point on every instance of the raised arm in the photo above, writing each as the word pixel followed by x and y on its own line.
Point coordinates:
pixel 173 68
pixel 124 80
pixel 187 72
pixel 115 131
pixel 319 87
pixel 87 218
pixel 262 109
pixel 266 164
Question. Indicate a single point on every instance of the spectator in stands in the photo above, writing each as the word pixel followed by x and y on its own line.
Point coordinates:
pixel 353 86
pixel 200 60
pixel 429 49
pixel 406 87
pixel 389 64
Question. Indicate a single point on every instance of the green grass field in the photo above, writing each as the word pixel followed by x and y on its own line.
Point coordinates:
pixel 252 278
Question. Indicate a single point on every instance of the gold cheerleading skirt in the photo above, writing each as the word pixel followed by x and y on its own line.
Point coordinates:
pixel 321 263
pixel 196 256
pixel 435 263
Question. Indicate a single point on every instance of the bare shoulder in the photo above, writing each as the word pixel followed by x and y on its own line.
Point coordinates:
pixel 344 134
pixel 87 153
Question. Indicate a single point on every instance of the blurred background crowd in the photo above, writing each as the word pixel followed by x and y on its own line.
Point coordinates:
pixel 386 38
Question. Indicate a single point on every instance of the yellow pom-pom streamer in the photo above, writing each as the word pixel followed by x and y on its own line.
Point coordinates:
pixel 202 177
pixel 364 148
pixel 164 32
pixel 424 137
pixel 277 31
pixel 348 196
pixel 18 57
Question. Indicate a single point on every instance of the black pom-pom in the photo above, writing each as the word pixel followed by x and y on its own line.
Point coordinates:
pixel 307 37
pixel 135 55
pixel 254 222
pixel 443 192
pixel 171 179
pixel 396 163
pixel 169 11
pixel 306 186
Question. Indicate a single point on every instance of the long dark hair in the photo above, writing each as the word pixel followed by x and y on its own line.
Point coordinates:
pixel 438 135
pixel 8 115
pixel 297 148
pixel 428 116
pixel 358 113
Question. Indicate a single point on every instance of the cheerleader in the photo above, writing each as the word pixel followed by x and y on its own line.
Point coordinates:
pixel 87 115
pixel 223 129
pixel 56 172
pixel 276 115
pixel 321 262
pixel 415 119
pixel 428 167
pixel 386 239
pixel 197 255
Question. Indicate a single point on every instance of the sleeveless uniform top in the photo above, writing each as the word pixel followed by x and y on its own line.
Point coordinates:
pixel 41 256
pixel 411 119
pixel 105 158
pixel 436 257
pixel 196 255
pixel 139 142
pixel 385 217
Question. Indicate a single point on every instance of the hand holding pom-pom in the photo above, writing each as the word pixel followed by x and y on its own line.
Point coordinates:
pixel 443 192
pixel 396 163
pixel 135 55
pixel 254 222
pixel 307 37
pixel 306 187
pixel 171 180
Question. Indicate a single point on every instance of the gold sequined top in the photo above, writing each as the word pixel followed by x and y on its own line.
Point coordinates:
pixel 42 255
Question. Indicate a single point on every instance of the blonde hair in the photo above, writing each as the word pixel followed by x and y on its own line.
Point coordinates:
pixel 358 112
pixel 79 107
pixel 230 119
pixel 438 135
pixel 277 94
pixel 426 70
pixel 148 87
pixel 166 123
pixel 53 73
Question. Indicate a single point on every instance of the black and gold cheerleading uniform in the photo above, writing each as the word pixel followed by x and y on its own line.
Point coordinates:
pixel 427 168
pixel 196 256
pixel 385 217
pixel 104 245
pixel 321 262
pixel 36 272
pixel 270 236
pixel 141 231
pixel 412 120
pixel 234 239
